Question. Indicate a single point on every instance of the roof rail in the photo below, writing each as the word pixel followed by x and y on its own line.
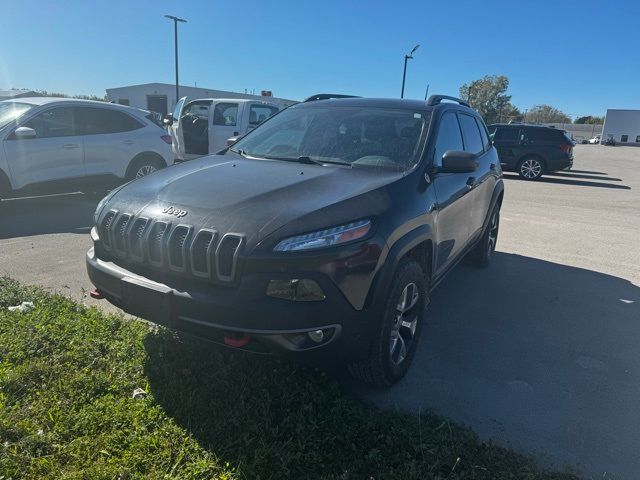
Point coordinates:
pixel 327 96
pixel 437 99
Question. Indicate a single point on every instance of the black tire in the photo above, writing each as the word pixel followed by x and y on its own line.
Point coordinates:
pixel 383 365
pixel 482 253
pixel 143 166
pixel 530 168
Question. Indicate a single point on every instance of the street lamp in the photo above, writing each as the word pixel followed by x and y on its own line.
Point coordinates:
pixel 404 73
pixel 175 36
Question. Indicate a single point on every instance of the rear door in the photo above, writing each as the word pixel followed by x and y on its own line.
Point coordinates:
pixel 111 139
pixel 508 140
pixel 484 178
pixel 454 196
pixel 54 154
pixel 224 125
pixel 176 131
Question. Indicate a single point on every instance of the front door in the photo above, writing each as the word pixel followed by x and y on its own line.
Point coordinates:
pixel 54 154
pixel 507 141
pixel 176 132
pixel 225 124
pixel 454 196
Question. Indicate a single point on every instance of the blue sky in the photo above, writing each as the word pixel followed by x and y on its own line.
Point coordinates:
pixel 580 56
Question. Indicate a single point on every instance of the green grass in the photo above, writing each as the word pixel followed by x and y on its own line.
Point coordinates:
pixel 67 373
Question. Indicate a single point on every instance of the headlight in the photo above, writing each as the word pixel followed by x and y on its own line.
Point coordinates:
pixel 325 238
pixel 102 203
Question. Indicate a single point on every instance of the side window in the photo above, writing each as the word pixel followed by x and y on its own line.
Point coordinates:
pixel 449 137
pixel 96 121
pixel 506 134
pixel 486 143
pixel 472 138
pixel 543 135
pixel 57 122
pixel 198 109
pixel 259 113
pixel 225 114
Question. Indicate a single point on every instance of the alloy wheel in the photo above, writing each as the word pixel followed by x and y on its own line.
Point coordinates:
pixel 493 233
pixel 531 168
pixel 404 325
pixel 145 170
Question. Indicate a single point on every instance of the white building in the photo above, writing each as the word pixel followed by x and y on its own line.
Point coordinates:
pixel 161 97
pixel 623 126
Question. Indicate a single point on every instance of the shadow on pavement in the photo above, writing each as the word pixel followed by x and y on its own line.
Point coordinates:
pixel 538 356
pixel 572 174
pixel 50 214
pixel 569 181
pixel 589 172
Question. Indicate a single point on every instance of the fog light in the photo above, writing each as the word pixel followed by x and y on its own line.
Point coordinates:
pixel 297 290
pixel 316 336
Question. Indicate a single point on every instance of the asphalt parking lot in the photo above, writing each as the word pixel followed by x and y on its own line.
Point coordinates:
pixel 539 352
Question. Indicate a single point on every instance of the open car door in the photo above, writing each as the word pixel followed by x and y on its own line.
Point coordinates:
pixel 176 131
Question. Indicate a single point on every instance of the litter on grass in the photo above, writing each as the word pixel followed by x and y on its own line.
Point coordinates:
pixel 139 393
pixel 24 307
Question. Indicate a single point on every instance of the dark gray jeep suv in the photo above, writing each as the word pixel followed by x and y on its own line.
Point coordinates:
pixel 320 234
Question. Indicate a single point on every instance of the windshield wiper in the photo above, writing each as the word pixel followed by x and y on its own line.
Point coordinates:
pixel 313 161
pixel 239 152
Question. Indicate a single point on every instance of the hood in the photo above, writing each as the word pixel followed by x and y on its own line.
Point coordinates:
pixel 251 197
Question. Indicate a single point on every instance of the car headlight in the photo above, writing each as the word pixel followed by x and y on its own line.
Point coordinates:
pixel 325 238
pixel 102 203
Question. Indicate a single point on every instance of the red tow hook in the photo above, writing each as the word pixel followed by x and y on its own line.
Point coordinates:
pixel 236 340
pixel 97 294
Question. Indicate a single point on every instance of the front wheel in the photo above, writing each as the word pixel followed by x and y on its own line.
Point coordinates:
pixel 530 168
pixel 395 341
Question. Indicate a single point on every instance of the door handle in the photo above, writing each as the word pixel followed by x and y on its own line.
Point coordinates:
pixel 128 142
pixel 70 146
pixel 492 166
pixel 471 181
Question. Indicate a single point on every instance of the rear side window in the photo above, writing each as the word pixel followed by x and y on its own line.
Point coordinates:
pixel 225 114
pixel 449 137
pixel 156 118
pixel 96 121
pixel 472 138
pixel 259 113
pixel 506 134
pixel 544 135
pixel 486 143
pixel 57 122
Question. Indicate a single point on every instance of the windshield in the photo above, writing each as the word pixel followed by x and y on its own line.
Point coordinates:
pixel 10 111
pixel 371 137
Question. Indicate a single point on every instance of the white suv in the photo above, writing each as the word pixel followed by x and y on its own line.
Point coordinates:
pixel 56 144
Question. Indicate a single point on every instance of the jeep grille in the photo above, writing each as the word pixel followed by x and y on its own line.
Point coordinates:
pixel 164 246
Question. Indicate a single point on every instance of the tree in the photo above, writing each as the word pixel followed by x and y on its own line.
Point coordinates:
pixel 589 120
pixel 547 114
pixel 488 96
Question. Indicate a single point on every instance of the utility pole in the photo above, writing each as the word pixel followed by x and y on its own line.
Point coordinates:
pixel 404 72
pixel 175 39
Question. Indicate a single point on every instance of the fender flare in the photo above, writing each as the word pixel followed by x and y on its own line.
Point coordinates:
pixel 397 251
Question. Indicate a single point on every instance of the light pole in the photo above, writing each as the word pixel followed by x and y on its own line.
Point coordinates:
pixel 175 36
pixel 404 72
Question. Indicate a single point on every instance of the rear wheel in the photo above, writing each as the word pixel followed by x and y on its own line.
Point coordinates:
pixel 144 166
pixel 482 253
pixel 395 341
pixel 530 168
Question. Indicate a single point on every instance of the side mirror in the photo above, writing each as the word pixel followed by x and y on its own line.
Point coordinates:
pixel 454 161
pixel 232 140
pixel 25 132
pixel 168 119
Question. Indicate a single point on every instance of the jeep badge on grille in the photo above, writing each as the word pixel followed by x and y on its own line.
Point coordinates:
pixel 174 211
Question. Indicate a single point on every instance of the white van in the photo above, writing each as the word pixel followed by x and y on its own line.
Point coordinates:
pixel 203 126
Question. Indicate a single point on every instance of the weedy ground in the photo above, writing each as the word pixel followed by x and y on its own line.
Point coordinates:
pixel 67 374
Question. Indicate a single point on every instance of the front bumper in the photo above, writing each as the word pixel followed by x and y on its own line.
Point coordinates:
pixel 213 312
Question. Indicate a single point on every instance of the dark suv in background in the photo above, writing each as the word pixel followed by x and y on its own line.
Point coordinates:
pixel 319 234
pixel 531 150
